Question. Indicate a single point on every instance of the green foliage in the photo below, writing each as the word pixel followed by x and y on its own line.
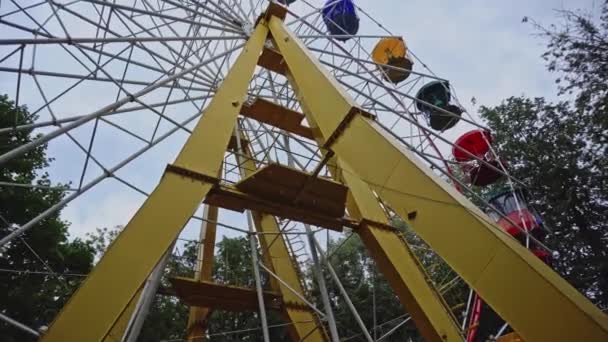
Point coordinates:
pixel 167 320
pixel 578 52
pixel 101 239
pixel 549 148
pixel 233 263
pixel 363 281
pixel 168 317
pixel 365 286
pixel 233 266
pixel 31 298
pixel 561 150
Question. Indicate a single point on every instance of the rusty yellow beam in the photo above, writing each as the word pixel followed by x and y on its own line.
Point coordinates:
pixel 221 296
pixel 399 265
pixel 518 286
pixel 120 326
pixel 198 316
pixel 107 291
pixel 393 256
pixel 274 249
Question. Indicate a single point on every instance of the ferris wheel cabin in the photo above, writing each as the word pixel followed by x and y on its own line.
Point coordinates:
pixel 433 99
pixel 391 55
pixel 472 152
pixel 341 19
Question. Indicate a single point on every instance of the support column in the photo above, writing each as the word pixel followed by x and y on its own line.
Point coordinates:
pixel 393 256
pixel 518 286
pixel 146 299
pixel 105 294
pixel 318 271
pixel 197 320
pixel 304 323
pixel 399 264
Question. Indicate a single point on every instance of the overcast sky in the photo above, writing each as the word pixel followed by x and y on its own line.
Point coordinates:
pixel 481 46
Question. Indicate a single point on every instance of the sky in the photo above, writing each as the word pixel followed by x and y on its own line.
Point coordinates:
pixel 481 46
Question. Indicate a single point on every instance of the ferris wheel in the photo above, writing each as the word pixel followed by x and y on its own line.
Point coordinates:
pixel 118 87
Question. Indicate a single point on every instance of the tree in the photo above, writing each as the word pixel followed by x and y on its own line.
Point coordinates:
pixel 546 147
pixel 365 285
pixel 561 150
pixel 578 52
pixel 29 291
pixel 168 317
pixel 233 266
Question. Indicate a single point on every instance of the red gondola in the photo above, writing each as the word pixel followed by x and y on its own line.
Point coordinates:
pixel 519 216
pixel 476 142
pixel 471 151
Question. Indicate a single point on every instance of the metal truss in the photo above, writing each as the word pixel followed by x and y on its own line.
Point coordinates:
pixel 159 67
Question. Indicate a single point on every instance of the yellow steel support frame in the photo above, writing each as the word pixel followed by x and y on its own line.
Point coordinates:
pixel 399 265
pixel 197 320
pixel 393 256
pixel 304 324
pixel 120 326
pixel 107 291
pixel 538 304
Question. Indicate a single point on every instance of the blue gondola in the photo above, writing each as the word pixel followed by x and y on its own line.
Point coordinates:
pixel 341 19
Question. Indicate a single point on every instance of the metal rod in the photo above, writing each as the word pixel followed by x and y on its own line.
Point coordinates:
pixel 376 64
pixel 19 77
pixel 19 325
pixel 501 331
pixel 345 295
pixel 321 313
pixel 413 98
pixel 337 36
pixel 157 14
pixel 258 280
pixel 317 270
pixel 254 250
pixel 465 314
pixel 130 98
pixel 333 329
pixel 392 331
pixel 146 299
pixel 74 118
pixel 35 186
pixel 38 41
pixel 16 233
pixel 81 77
pixel 93 49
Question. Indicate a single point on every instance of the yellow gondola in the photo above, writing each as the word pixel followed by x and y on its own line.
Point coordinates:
pixel 392 53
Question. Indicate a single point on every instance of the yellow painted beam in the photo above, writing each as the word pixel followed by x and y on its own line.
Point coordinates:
pixel 120 326
pixel 399 265
pixel 275 250
pixel 197 319
pixel 107 291
pixel 393 256
pixel 537 303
